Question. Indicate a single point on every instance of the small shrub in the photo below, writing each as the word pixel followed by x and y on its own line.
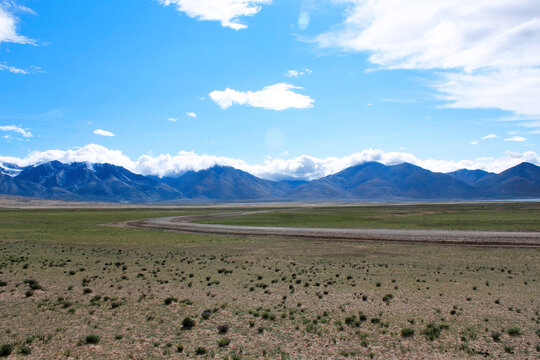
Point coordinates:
pixel 386 298
pixel 509 349
pixel 180 348
pixel 6 349
pixel 496 336
pixel 92 339
pixel 87 291
pixel 116 304
pixel 514 331
pixel 223 342
pixel 169 300
pixel 432 331
pixel 25 350
pixel 201 350
pixel 351 320
pixel 407 332
pixel 206 314
pixel 3 283
pixel 188 323
pixel 223 328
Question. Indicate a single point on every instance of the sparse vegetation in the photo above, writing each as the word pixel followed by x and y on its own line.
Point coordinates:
pixel 258 298
pixel 92 339
pixel 188 323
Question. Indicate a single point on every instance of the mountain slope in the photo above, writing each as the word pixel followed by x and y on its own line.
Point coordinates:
pixel 227 183
pixel 522 180
pixel 103 182
pixel 375 181
pixel 370 181
pixel 469 176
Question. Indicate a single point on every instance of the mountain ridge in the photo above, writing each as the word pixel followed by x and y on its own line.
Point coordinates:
pixel 369 181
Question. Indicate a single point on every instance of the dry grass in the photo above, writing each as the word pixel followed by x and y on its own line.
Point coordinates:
pixel 278 298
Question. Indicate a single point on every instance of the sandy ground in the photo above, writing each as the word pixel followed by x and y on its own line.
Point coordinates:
pixel 477 238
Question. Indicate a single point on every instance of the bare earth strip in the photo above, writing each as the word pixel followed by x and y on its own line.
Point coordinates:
pixel 460 237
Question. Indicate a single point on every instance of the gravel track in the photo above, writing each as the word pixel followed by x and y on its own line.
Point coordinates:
pixel 459 237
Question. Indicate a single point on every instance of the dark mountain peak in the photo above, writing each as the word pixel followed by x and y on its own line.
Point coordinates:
pixel 100 182
pixel 470 177
pixel 523 169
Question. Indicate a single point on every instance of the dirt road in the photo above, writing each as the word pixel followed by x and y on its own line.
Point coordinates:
pixel 478 238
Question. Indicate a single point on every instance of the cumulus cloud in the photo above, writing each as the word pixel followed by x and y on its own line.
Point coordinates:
pixel 278 97
pixel 191 115
pixel 516 138
pixel 225 11
pixel 103 132
pixel 300 167
pixel 90 153
pixel 488 52
pixel 16 129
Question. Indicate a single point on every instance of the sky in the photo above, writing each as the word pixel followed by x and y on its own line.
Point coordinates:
pixel 278 88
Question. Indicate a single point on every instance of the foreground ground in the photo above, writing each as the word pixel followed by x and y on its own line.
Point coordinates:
pixel 72 288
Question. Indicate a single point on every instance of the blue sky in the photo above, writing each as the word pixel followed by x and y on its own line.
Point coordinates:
pixel 296 88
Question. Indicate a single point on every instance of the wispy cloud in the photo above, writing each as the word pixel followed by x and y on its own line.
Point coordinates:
pixel 8 23
pixel 490 136
pixel 275 97
pixel 487 52
pixel 191 115
pixel 17 130
pixel 172 119
pixel 16 70
pixel 300 167
pixel 227 12
pixel 516 138
pixel 103 132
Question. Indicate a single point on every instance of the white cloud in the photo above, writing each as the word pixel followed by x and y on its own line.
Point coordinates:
pixel 507 89
pixel 16 129
pixel 171 119
pixel 293 73
pixel 300 167
pixel 16 70
pixel 303 20
pixel 278 97
pixel 13 69
pixel 516 138
pixel 297 73
pixel 191 115
pixel 475 142
pixel 103 132
pixel 225 11
pixel 8 23
pixel 489 51
pixel 90 153
pixel 490 136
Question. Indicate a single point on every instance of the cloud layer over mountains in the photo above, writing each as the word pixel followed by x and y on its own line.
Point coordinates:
pixel 300 167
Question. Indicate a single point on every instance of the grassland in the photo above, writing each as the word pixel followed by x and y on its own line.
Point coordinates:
pixel 71 288
pixel 467 216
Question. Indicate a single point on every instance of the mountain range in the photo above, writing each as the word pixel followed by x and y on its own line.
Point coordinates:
pixel 370 181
